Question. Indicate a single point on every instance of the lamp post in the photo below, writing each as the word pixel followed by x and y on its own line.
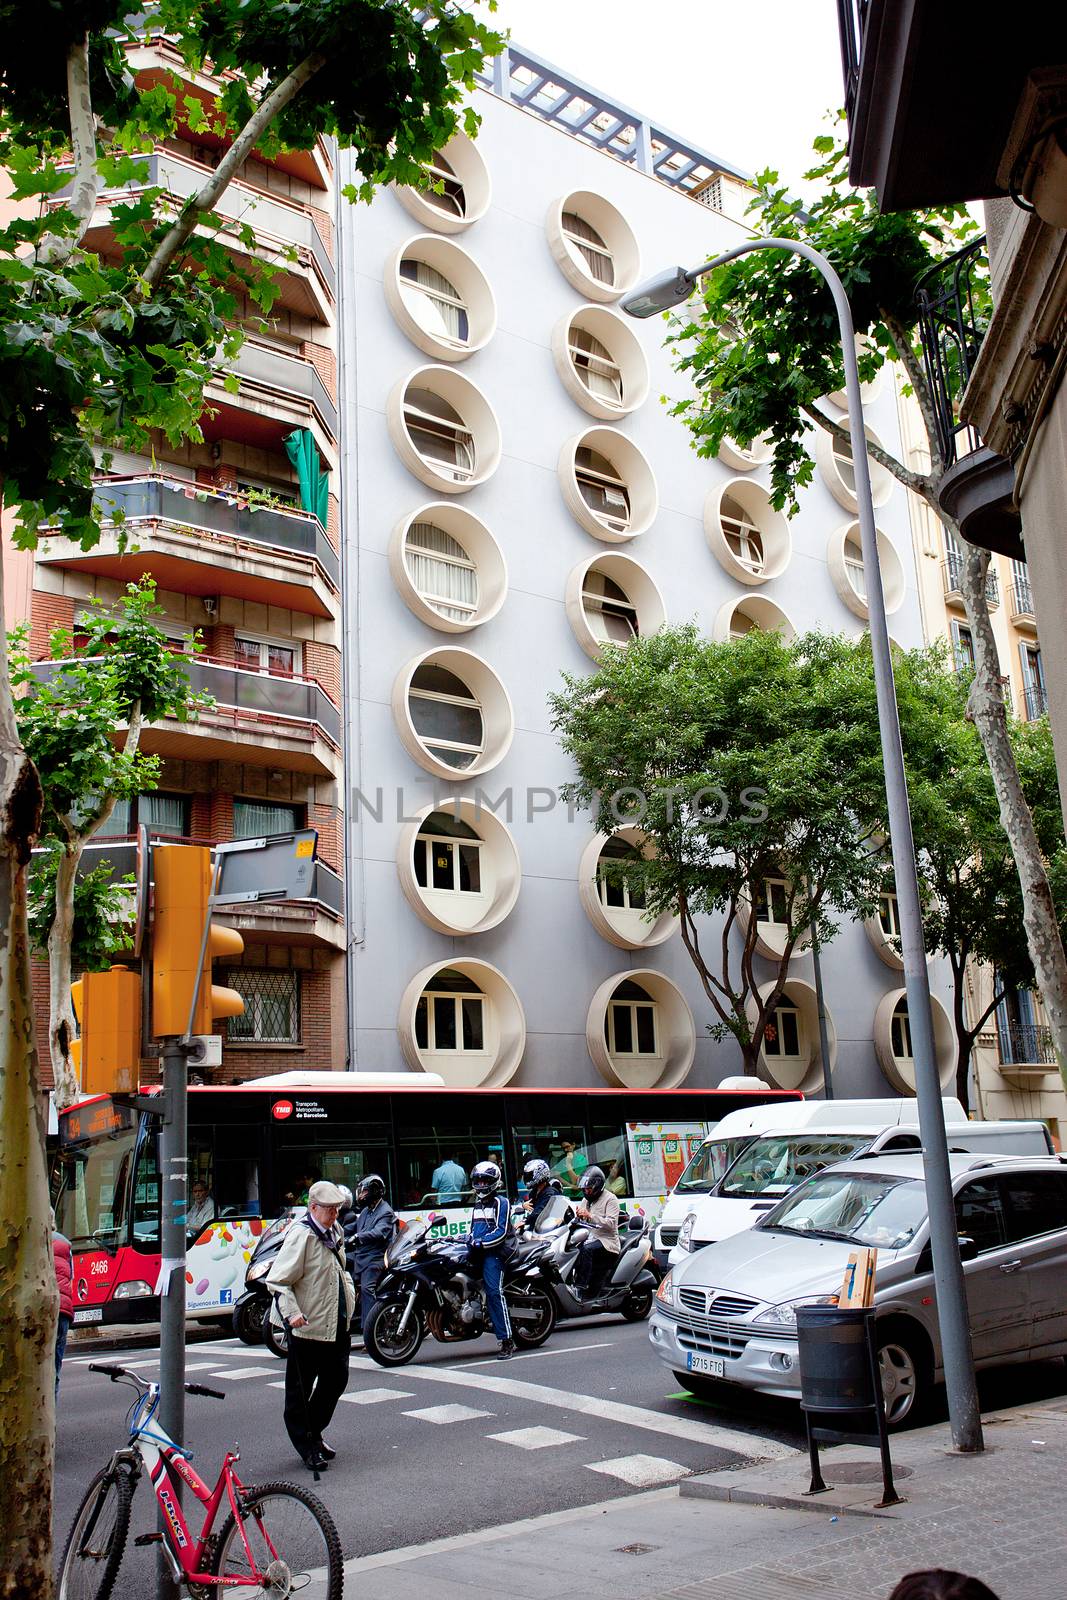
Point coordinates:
pixel 662 293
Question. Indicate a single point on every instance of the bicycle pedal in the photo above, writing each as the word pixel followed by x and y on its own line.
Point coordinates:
pixel 148 1538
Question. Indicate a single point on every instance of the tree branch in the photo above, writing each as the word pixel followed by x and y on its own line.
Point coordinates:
pixel 692 945
pixel 921 389
pixel 921 483
pixel 239 151
pixel 56 249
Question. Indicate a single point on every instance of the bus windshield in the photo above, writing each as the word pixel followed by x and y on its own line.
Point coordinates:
pixel 92 1188
pixel 711 1163
pixel 777 1163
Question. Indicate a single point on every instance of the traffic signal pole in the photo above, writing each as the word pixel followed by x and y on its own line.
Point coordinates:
pixel 174 1187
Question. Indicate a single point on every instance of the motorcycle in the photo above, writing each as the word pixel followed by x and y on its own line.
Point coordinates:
pixel 428 1286
pixel 251 1314
pixel 630 1288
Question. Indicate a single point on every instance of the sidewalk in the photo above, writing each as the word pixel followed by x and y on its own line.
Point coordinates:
pixel 749 1533
pixel 93 1338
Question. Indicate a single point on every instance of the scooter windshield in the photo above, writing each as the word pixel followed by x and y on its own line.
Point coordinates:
pixel 558 1211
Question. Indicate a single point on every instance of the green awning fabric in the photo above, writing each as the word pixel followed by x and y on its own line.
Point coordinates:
pixel 302 451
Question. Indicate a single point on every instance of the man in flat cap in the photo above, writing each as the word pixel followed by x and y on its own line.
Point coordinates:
pixel 314 1299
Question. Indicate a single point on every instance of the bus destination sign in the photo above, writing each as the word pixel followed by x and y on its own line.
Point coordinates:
pixel 94 1121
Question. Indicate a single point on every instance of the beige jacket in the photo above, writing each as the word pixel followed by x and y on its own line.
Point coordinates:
pixel 304 1278
pixel 604 1212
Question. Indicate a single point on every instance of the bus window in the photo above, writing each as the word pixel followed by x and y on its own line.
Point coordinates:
pixel 562 1146
pixel 349 1156
pixel 91 1191
pixel 145 1208
pixel 607 1150
pixel 435 1162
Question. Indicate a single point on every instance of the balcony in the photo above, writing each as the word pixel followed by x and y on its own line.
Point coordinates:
pixel 1022 601
pixel 1026 1050
pixel 952 578
pixel 307 284
pixel 279 391
pixel 198 542
pixel 259 719
pixel 317 920
pixel 1036 697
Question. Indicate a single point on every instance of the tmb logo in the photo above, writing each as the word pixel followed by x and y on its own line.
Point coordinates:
pixel 281 1109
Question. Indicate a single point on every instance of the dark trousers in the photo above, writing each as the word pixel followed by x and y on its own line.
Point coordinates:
pixel 62 1329
pixel 316 1376
pixel 593 1265
pixel 366 1282
pixel 491 1267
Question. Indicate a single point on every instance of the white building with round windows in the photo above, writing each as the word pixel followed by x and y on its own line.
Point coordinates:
pixel 515 496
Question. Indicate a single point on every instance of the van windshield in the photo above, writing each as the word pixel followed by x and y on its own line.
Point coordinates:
pixel 860 1208
pixel 711 1162
pixel 777 1163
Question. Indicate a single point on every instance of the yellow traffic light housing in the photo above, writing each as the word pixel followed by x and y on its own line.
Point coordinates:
pixel 182 894
pixel 108 1008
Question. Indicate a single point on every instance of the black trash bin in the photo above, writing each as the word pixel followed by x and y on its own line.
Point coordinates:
pixel 840 1386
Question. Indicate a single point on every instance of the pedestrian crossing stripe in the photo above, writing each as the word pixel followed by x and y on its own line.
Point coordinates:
pixel 537 1438
pixel 373 1397
pixel 641 1472
pixel 452 1413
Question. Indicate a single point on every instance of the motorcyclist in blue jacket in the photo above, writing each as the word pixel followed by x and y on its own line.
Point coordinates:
pixel 489 1246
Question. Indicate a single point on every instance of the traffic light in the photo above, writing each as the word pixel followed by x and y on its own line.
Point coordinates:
pixel 108 1008
pixel 182 875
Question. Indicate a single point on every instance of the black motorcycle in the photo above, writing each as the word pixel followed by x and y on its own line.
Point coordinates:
pixel 428 1286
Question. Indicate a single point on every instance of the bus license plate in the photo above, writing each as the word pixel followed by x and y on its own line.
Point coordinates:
pixel 89 1314
pixel 713 1366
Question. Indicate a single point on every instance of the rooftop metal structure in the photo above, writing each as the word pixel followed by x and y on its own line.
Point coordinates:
pixel 565 102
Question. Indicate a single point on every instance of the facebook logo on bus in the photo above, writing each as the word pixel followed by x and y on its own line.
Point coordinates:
pixel 225 1297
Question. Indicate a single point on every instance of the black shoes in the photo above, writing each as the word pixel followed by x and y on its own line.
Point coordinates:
pixel 326 1452
pixel 506 1351
pixel 315 1461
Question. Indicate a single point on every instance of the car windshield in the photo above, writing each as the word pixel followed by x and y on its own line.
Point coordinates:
pixel 711 1162
pixel 859 1207
pixel 777 1163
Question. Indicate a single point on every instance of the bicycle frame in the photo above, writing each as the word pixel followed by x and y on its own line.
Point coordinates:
pixel 167 1466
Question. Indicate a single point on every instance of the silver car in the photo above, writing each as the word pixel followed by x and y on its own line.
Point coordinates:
pixel 729 1312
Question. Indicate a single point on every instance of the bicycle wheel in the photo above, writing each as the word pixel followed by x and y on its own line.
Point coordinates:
pixel 292 1541
pixel 97 1539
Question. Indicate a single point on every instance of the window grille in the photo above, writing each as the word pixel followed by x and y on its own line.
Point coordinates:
pixel 272 1007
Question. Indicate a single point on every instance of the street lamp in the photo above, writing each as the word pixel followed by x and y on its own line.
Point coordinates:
pixel 663 293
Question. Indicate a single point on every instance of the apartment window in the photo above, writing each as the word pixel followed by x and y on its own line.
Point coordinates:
pixel 264 655
pixel 446 716
pixel 272 1007
pixel 448 855
pixel 587 244
pixel 618 890
pixel 962 646
pixel 286 493
pixel 854 568
pixel 610 613
pixel 593 363
pixel 846 469
pixel 781 1036
pixel 900 1032
pixel 450 1014
pixel 164 815
pixel 1034 690
pixel 772 902
pixel 435 302
pixel 446 195
pixel 889 916
pixel 442 572
pixel 256 819
pixel 603 491
pixel 630 1023
pixel 742 535
pixel 439 434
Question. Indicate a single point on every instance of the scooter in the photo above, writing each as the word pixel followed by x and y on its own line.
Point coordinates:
pixel 428 1286
pixel 251 1314
pixel 629 1289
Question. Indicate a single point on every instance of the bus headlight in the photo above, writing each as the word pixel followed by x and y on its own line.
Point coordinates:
pixel 685 1232
pixel 134 1289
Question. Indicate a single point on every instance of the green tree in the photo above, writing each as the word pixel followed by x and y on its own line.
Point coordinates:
pixel 763 351
pixel 972 899
pixel 120 673
pixel 109 351
pixel 741 762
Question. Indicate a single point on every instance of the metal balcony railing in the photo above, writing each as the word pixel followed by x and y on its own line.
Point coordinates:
pixel 953 303
pixel 120 853
pixel 1022 599
pixel 952 576
pixel 851 20
pixel 153 498
pixel 1036 701
pixel 1025 1045
pixel 264 695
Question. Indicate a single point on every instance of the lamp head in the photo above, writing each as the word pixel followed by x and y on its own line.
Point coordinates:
pixel 661 293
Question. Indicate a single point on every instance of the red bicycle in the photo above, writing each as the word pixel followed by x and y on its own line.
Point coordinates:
pixel 276 1540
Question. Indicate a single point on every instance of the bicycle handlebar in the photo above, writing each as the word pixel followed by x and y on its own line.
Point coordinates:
pixel 202 1388
pixel 117 1374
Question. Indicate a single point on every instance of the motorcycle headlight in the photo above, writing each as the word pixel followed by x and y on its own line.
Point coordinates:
pixel 685 1232
pixel 256 1272
pixel 667 1294
pixel 785 1315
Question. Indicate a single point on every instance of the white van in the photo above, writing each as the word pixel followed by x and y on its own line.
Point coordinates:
pixel 754 1157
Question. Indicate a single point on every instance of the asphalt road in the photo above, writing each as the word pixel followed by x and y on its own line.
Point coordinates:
pixel 456 1441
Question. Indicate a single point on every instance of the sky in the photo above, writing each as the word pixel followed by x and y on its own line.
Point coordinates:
pixel 746 80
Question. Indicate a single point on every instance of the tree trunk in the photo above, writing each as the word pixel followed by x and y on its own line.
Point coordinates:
pixel 28 1296
pixel 986 706
pixel 61 1021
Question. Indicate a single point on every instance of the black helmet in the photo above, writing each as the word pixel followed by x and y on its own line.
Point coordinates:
pixel 592 1183
pixel 371 1190
pixel 535 1174
pixel 486 1179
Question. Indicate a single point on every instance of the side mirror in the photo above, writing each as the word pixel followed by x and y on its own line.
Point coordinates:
pixel 636 1225
pixel 925 1262
pixel 968 1248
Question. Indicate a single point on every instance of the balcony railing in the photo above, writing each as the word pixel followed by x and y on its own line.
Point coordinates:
pixel 262 695
pixel 120 852
pixel 1036 696
pixel 1026 1045
pixel 153 498
pixel 264 363
pixel 953 302
pixel 952 575
pixel 1022 599
pixel 851 20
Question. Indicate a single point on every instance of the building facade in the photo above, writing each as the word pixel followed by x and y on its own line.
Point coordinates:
pixel 514 493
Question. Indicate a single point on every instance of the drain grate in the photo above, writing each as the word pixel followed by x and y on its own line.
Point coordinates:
pixel 860 1471
pixel 636 1549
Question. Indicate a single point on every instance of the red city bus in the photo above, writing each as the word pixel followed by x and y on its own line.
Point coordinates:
pixel 256 1147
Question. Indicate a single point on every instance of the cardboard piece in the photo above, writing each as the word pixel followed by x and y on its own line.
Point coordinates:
pixel 857 1289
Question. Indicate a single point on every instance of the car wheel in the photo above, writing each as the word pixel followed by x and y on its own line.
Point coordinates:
pixel 903 1374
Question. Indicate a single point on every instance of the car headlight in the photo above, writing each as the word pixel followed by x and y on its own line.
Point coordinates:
pixel 254 1274
pixel 685 1232
pixel 133 1289
pixel 785 1315
pixel 667 1294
